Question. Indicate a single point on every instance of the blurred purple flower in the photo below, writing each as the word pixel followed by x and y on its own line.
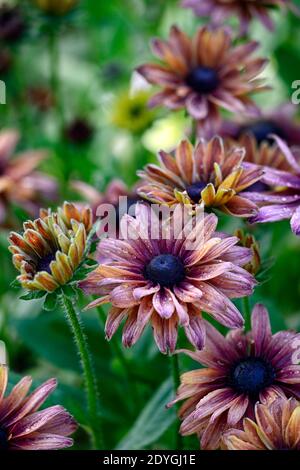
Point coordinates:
pixel 280 199
pixel 20 183
pixel 245 10
pixel 280 121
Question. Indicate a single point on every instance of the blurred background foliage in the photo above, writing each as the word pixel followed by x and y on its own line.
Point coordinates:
pixel 70 89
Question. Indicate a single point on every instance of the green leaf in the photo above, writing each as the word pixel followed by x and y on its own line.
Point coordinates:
pixel 33 295
pixel 153 421
pixel 82 272
pixel 50 302
pixel 15 284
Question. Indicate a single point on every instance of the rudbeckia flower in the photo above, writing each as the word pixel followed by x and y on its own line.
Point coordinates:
pixel 280 121
pixel 131 112
pixel 208 174
pixel 20 183
pixel 51 247
pixel 205 74
pixel 23 427
pixel 240 370
pixel 278 192
pixel 166 281
pixel 276 427
pixel 245 10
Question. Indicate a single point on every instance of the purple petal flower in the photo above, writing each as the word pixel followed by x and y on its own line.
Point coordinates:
pixel 240 370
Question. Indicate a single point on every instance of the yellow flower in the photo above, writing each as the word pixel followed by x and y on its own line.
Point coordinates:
pixel 51 247
pixel 131 112
pixel 56 7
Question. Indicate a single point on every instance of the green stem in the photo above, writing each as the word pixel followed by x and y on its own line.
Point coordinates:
pixel 176 382
pixel 88 369
pixel 247 313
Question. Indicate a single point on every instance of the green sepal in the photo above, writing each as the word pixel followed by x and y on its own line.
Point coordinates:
pixel 50 301
pixel 33 295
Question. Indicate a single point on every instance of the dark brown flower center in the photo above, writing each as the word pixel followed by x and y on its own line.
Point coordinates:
pixel 251 376
pixel 258 187
pixel 194 191
pixel 79 131
pixel 44 263
pixel 262 130
pixel 203 80
pixel 166 270
pixel 3 439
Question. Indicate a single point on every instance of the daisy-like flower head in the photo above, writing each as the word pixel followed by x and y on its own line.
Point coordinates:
pixel 162 281
pixel 279 121
pixel 131 111
pixel 278 192
pixel 246 10
pixel 20 183
pixel 51 247
pixel 239 370
pixel 276 427
pixel 204 74
pixel 56 7
pixel 209 174
pixel 23 427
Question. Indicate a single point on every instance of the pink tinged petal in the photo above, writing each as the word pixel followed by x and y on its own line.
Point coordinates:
pixel 62 423
pixel 196 331
pixel 212 402
pixel 42 441
pixel 35 421
pixel 163 303
pixel 273 213
pixel 15 398
pixel 159 75
pixel 261 329
pixel 218 249
pixel 289 374
pixel 219 306
pixel 275 177
pixel 34 401
pixel 122 297
pixel 238 255
pixel 165 333
pixel 197 106
pixel 181 310
pixel 8 142
pixel 287 153
pixel 187 292
pixel 210 439
pixel 132 331
pixel 271 433
pixel 241 207
pixel 269 394
pixel 114 319
pixel 237 410
pixel 295 221
pixel 141 292
pixel 208 271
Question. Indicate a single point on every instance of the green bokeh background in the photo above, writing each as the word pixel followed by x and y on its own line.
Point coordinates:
pixel 89 56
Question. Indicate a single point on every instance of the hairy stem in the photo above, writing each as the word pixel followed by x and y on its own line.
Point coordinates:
pixel 88 370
